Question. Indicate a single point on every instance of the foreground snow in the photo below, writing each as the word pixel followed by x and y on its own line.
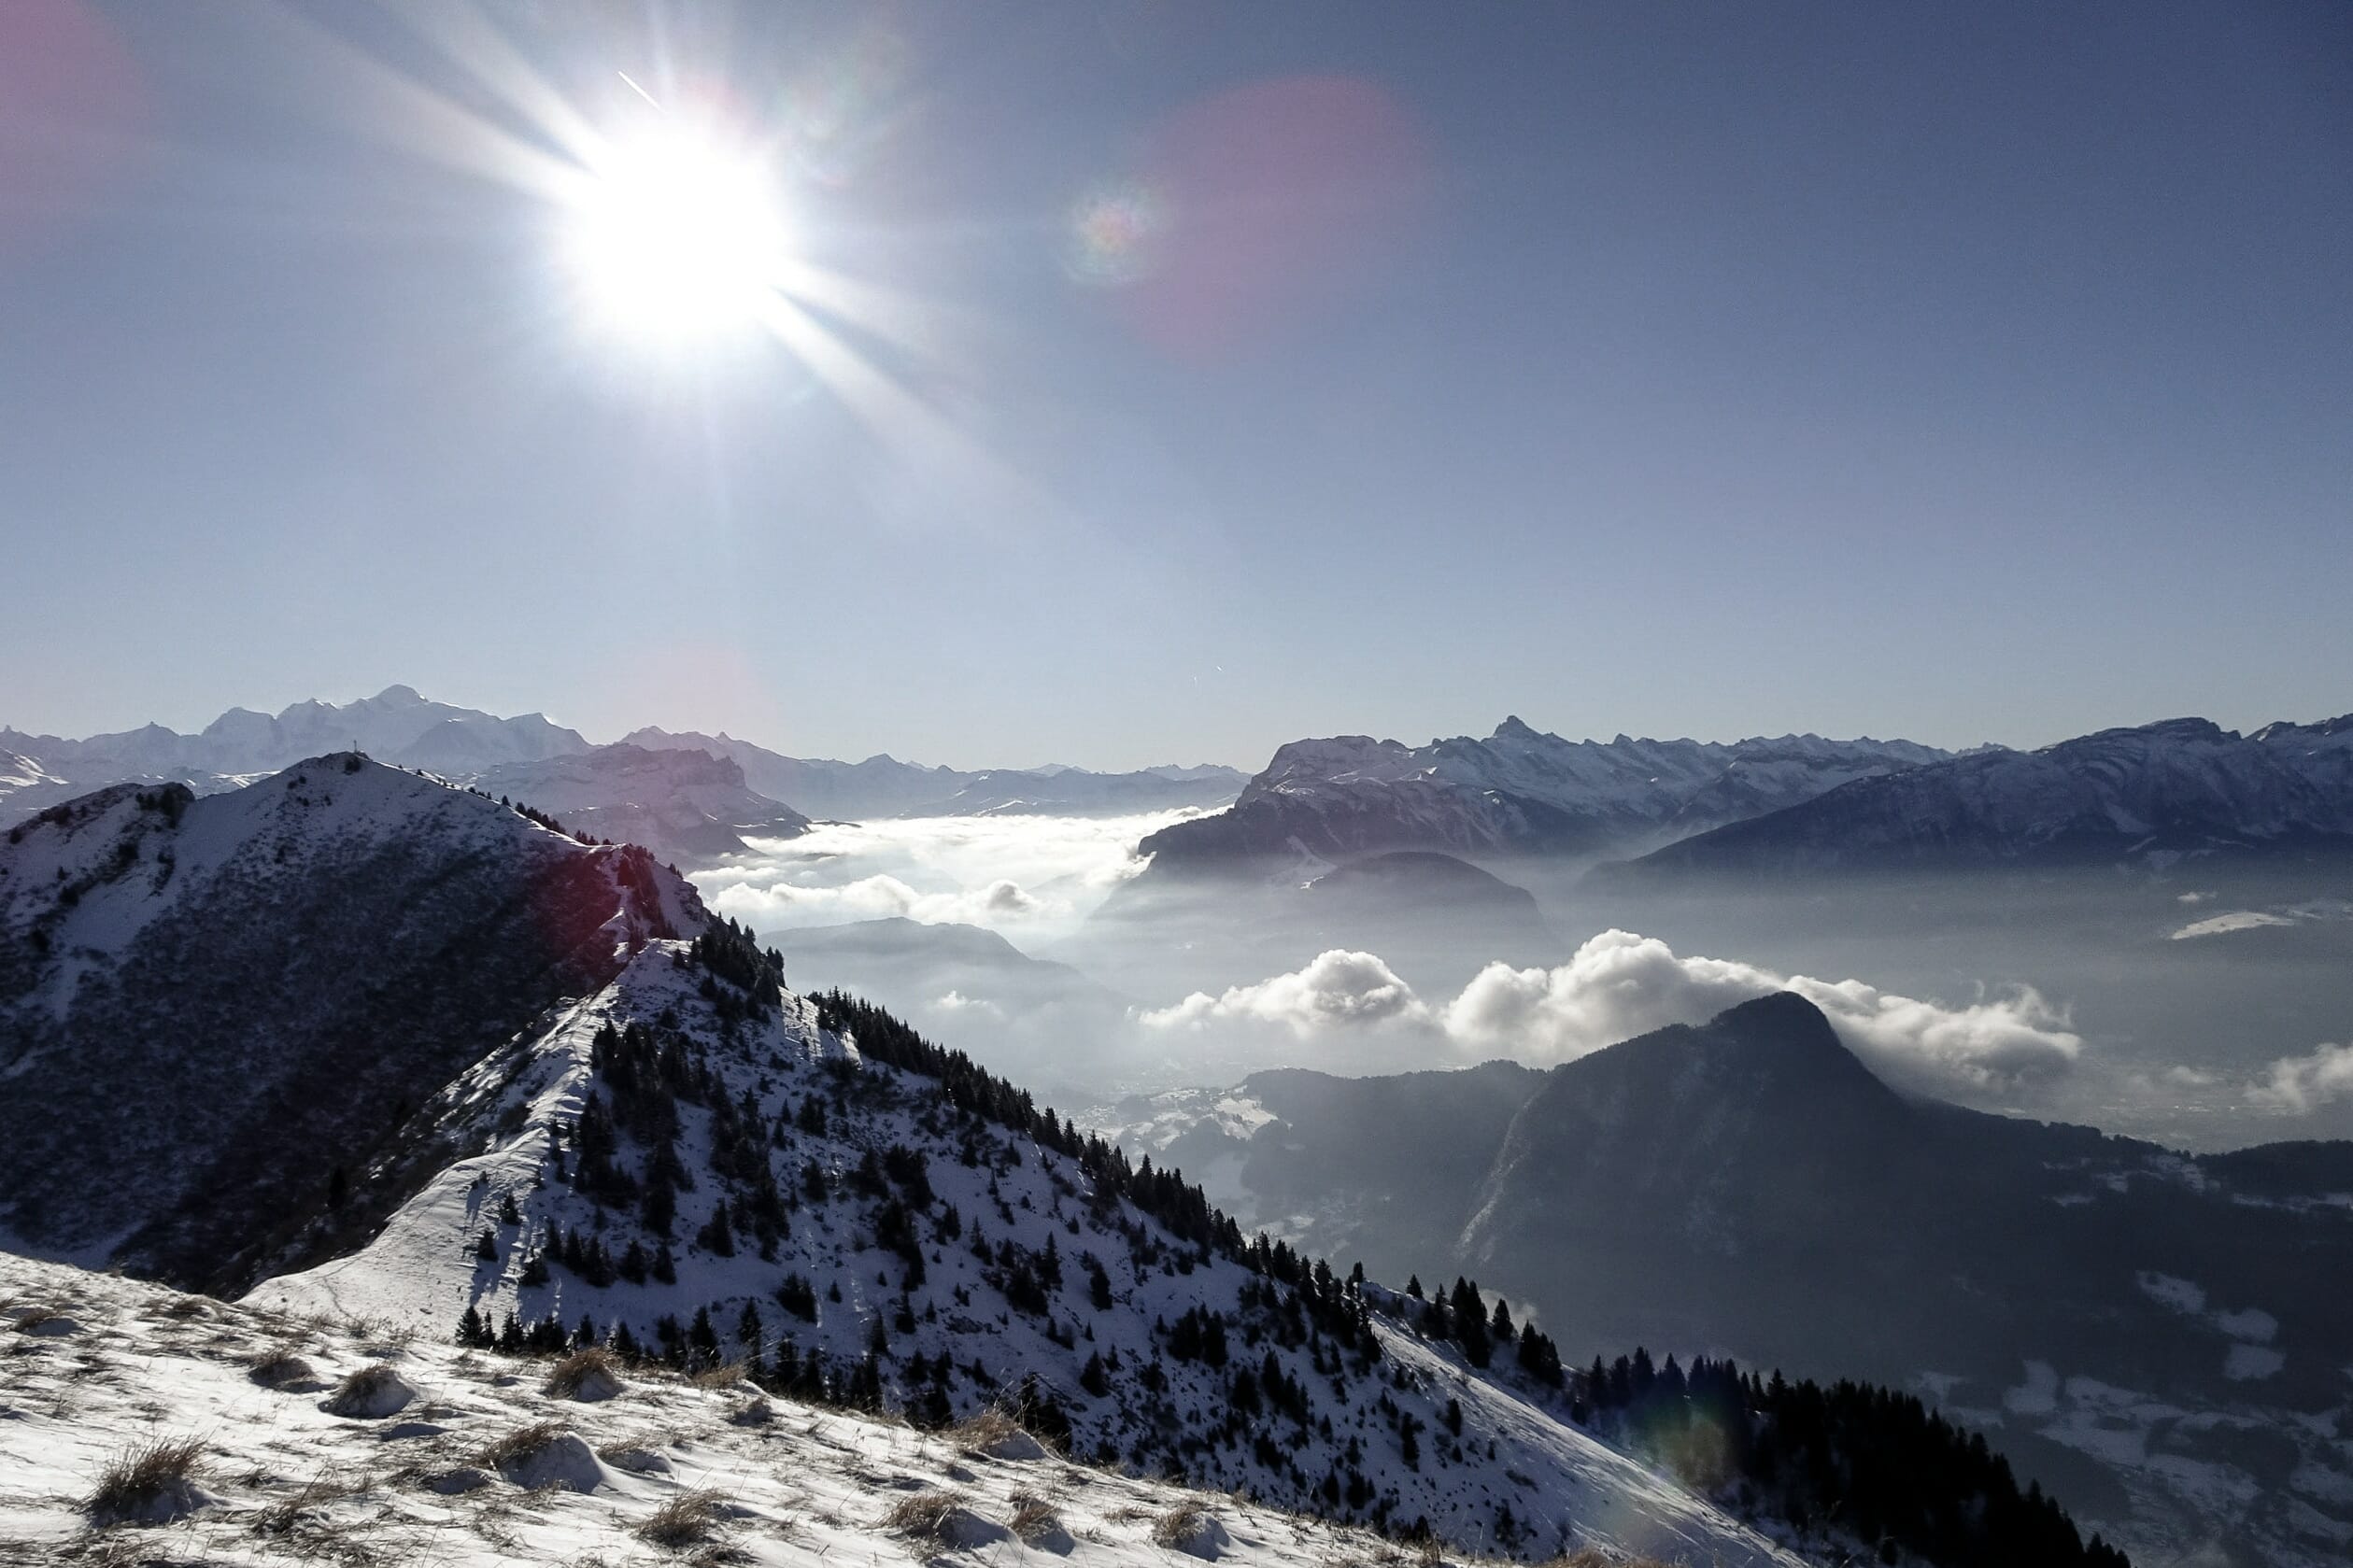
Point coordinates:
pixel 103 1364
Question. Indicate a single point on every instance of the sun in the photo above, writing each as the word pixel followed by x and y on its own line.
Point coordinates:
pixel 676 236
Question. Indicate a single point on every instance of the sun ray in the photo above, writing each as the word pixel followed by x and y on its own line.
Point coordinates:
pixel 928 442
pixel 386 103
pixel 464 37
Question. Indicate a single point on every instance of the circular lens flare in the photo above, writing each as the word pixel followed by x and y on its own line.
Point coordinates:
pixel 1115 233
pixel 677 236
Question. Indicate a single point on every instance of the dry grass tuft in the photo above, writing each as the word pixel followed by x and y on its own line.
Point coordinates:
pixel 139 1477
pixel 186 1307
pixel 983 1431
pixel 35 1319
pixel 279 1367
pixel 1178 1526
pixel 685 1521
pixel 1033 1516
pixel 923 1516
pixel 724 1375
pixel 584 1369
pixel 361 1390
pixel 519 1445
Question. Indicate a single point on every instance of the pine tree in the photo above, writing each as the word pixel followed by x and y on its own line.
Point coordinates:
pixel 471 1329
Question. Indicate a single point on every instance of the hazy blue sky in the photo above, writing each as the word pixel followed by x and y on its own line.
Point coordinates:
pixel 1958 372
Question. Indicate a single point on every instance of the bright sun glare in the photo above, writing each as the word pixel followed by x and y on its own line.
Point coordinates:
pixel 678 237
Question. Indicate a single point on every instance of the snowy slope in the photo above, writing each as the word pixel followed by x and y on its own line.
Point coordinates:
pixel 2148 796
pixel 1517 790
pixel 685 806
pixel 242 993
pixel 1039 1210
pixel 110 1364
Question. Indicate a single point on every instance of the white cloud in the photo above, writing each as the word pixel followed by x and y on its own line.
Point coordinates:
pixel 1335 990
pixel 957 1001
pixel 1621 984
pixel 2222 925
pixel 781 905
pixel 1616 986
pixel 2297 1085
pixel 1011 871
pixel 2001 1043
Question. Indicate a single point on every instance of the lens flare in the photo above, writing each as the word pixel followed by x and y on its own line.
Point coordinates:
pixel 1116 234
pixel 676 235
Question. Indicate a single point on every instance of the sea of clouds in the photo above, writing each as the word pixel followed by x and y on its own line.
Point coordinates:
pixel 1033 877
pixel 1036 879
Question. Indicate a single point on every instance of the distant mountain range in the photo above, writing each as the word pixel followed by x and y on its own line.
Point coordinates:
pixel 686 796
pixel 2148 796
pixel 886 787
pixel 395 726
pixel 1519 791
pixel 2151 1331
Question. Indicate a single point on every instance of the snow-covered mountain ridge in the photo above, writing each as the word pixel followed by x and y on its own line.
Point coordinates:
pixel 2146 796
pixel 210 1007
pixel 1518 790
pixel 949 1260
pixel 1010 1260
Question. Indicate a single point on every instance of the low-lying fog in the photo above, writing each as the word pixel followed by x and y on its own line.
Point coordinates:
pixel 2203 1012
